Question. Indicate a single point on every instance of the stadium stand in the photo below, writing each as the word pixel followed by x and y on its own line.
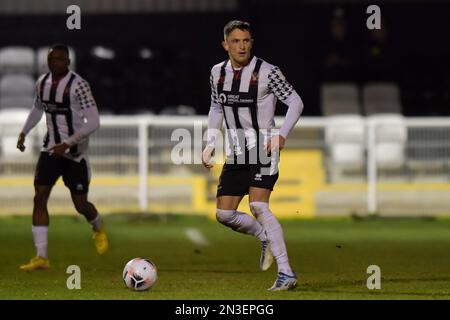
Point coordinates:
pixel 8 134
pixel 382 104
pixel 339 98
pixel 180 110
pixel 16 91
pixel 152 72
pixel 390 140
pixel 383 97
pixel 345 141
pixel 344 132
pixel 17 60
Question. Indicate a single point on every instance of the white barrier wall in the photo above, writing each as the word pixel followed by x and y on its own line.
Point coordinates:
pixel 331 166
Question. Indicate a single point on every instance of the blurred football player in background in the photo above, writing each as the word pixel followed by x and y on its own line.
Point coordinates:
pixel 72 115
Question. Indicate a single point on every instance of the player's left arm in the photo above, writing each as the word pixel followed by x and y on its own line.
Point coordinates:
pixel 284 91
pixel 91 121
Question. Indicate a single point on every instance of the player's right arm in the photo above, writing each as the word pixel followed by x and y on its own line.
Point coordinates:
pixel 33 119
pixel 215 119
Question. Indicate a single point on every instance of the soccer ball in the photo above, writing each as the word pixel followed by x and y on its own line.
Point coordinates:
pixel 140 274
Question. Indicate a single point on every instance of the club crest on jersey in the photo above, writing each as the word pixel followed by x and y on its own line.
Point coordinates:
pixel 223 98
pixel 254 78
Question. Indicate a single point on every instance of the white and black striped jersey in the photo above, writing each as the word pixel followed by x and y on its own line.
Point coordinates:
pixel 71 113
pixel 246 99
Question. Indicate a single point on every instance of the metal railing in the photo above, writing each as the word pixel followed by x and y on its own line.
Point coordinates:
pixel 368 166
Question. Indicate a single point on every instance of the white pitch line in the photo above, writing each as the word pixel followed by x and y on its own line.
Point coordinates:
pixel 196 237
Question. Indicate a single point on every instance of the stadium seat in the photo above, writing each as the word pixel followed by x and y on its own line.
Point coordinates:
pixel 345 140
pixel 17 60
pixel 340 98
pixel 390 140
pixel 9 131
pixel 16 91
pixel 16 102
pixel 383 97
pixel 41 56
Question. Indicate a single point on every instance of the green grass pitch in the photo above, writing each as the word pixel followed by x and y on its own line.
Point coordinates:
pixel 330 256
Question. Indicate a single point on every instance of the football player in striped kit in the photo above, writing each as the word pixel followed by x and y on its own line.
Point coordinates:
pixel 244 92
pixel 72 115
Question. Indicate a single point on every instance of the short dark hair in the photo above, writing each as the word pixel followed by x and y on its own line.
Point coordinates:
pixel 60 46
pixel 236 24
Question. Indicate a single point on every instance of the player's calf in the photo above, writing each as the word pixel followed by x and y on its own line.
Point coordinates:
pixel 266 259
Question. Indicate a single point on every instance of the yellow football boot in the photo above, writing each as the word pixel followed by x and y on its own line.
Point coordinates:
pixel 101 241
pixel 36 263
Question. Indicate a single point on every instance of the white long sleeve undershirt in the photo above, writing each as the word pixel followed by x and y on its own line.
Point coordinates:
pixel 33 118
pixel 295 109
pixel 215 121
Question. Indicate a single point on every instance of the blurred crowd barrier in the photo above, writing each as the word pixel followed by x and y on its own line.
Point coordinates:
pixel 335 165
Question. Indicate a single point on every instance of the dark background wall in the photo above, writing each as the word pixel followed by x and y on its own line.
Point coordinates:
pixel 293 36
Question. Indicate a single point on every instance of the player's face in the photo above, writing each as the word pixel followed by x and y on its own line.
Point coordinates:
pixel 238 44
pixel 58 62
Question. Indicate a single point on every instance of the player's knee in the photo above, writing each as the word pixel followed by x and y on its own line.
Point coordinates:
pixel 257 208
pixel 225 216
